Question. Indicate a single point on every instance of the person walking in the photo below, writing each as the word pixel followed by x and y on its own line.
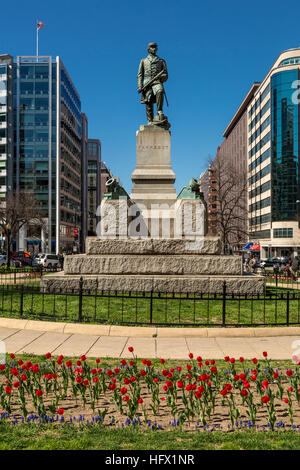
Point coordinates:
pixel 295 267
pixel 252 264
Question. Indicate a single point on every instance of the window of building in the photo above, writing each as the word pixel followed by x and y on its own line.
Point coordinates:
pixel 260 144
pixel 260 174
pixel 258 117
pixel 283 233
pixel 93 149
pixel 292 60
pixel 260 189
pixel 260 234
pixel 259 100
pixel 261 219
pixel 260 204
pixel 260 159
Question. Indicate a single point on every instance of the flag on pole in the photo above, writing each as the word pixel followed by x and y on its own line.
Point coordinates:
pixel 40 25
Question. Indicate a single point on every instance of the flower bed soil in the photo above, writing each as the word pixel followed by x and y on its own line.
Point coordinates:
pixel 194 395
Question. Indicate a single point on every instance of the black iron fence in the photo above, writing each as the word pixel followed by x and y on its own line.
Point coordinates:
pixel 27 275
pixel 284 281
pixel 223 309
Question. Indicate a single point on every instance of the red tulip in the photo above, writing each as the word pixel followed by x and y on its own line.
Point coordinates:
pixel 265 399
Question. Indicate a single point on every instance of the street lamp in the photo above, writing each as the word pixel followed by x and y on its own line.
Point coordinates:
pixel 297 202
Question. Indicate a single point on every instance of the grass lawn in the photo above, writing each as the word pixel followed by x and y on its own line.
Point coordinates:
pixel 167 309
pixel 69 437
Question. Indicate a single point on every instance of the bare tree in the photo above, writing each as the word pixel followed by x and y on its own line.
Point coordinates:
pixel 16 211
pixel 228 189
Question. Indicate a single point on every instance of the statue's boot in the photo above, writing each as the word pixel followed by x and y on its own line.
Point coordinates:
pixel 149 113
pixel 159 103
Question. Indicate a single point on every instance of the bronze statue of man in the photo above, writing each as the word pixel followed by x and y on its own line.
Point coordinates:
pixel 152 74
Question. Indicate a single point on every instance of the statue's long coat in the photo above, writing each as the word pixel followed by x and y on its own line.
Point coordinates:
pixel 149 67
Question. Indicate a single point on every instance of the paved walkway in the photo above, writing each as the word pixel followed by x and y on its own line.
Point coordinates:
pixel 36 337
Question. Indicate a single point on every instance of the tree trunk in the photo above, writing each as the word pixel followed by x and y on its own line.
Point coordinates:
pixel 224 243
pixel 8 250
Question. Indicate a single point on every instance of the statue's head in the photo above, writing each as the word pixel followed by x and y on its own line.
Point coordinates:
pixel 152 47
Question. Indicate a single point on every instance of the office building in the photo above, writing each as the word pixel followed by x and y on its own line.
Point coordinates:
pixel 93 184
pixel 273 159
pixel 106 174
pixel 6 124
pixel 83 229
pixel 47 149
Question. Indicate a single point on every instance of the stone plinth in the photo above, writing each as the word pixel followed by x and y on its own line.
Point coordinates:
pixel 153 179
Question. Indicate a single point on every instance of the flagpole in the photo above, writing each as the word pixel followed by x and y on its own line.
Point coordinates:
pixel 37 41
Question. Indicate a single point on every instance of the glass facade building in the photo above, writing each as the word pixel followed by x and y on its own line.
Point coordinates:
pixel 273 159
pixel 94 184
pixel 6 124
pixel 48 147
pixel 285 146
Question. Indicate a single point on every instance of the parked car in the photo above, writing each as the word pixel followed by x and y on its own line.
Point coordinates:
pixel 21 261
pixel 2 260
pixel 47 260
pixel 36 259
pixel 270 262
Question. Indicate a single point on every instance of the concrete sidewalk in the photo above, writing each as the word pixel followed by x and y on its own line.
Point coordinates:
pixel 36 337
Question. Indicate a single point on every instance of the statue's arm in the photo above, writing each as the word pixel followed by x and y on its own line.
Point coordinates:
pixel 140 75
pixel 164 76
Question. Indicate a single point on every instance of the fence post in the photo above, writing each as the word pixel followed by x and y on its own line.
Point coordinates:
pixel 21 301
pixel 276 278
pixel 224 305
pixel 288 308
pixel 80 300
pixel 15 277
pixel 151 306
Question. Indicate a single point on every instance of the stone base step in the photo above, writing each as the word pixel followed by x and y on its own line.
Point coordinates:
pixel 118 264
pixel 246 284
pixel 152 246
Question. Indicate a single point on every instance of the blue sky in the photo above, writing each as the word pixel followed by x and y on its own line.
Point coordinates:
pixel 214 52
